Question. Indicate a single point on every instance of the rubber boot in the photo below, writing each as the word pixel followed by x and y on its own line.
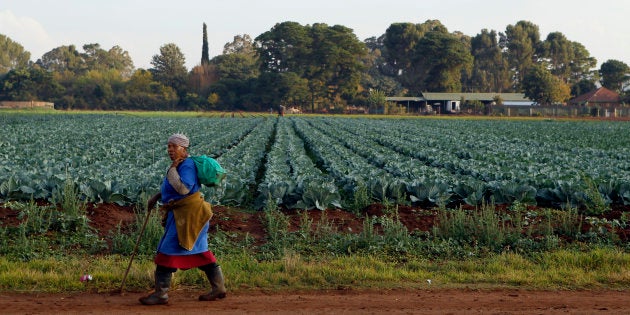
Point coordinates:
pixel 215 276
pixel 160 295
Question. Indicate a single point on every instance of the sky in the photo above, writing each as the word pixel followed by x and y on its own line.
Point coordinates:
pixel 142 27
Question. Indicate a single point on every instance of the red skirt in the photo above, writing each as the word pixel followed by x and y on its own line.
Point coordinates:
pixel 185 261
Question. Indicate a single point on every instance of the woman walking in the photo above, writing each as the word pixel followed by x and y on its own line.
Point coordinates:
pixel 184 244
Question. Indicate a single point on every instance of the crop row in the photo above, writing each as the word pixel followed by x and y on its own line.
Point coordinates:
pixel 320 162
pixel 505 160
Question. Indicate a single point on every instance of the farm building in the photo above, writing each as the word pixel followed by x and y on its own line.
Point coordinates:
pixel 452 102
pixel 600 102
pixel 413 104
pixel 27 104
pixel 599 97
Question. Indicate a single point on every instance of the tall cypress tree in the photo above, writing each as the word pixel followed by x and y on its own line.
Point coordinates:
pixel 205 59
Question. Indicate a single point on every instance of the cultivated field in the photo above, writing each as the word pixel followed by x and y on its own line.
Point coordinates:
pixel 324 214
pixel 320 162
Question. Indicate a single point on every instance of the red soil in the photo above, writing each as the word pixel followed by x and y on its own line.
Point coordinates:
pixel 330 302
pixel 105 217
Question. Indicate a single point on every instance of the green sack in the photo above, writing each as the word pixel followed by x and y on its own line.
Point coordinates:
pixel 209 171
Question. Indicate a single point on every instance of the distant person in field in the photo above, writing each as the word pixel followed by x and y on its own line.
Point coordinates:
pixel 281 110
pixel 184 244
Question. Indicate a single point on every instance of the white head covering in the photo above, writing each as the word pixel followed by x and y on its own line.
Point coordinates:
pixel 179 139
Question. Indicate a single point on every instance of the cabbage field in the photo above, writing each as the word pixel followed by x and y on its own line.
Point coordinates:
pixel 322 162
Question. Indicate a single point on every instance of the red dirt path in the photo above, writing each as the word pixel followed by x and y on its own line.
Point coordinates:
pixel 330 302
pixel 105 217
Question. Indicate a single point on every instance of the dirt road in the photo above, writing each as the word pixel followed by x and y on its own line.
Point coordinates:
pixel 330 302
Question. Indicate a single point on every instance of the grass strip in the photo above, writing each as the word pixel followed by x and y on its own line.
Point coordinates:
pixel 599 268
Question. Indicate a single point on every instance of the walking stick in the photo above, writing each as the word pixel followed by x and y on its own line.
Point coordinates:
pixel 135 249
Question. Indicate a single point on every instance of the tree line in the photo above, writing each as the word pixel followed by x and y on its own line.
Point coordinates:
pixel 314 67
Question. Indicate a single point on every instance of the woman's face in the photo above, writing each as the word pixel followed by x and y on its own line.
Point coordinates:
pixel 175 151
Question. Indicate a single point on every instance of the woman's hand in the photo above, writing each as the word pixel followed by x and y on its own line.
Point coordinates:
pixel 177 161
pixel 153 201
pixel 179 154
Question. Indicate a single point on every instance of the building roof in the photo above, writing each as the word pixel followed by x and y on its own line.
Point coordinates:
pixel 405 98
pixel 512 97
pixel 601 95
pixel 487 97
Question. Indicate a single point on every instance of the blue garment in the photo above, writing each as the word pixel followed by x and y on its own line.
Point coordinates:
pixel 188 175
pixel 169 244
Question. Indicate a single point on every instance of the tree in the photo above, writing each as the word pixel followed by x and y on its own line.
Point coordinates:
pixel 541 86
pixel 401 39
pixel 93 79
pixel 490 71
pixel 522 42
pixel 116 58
pixel 567 60
pixel 241 44
pixel 213 99
pixel 169 67
pixel 426 56
pixel 402 54
pixel 335 62
pixel 119 59
pixel 297 92
pixel 272 88
pixel 201 77
pixel 615 75
pixel 557 51
pixel 582 65
pixel 238 61
pixel 28 84
pixel 63 59
pixel 205 57
pixel 328 57
pixel 378 75
pixel 583 86
pixel 235 66
pixel 12 55
pixel 376 100
pixel 140 81
pixel 94 57
pixel 440 59
pixel 232 93
pixel 284 48
pixel 142 92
